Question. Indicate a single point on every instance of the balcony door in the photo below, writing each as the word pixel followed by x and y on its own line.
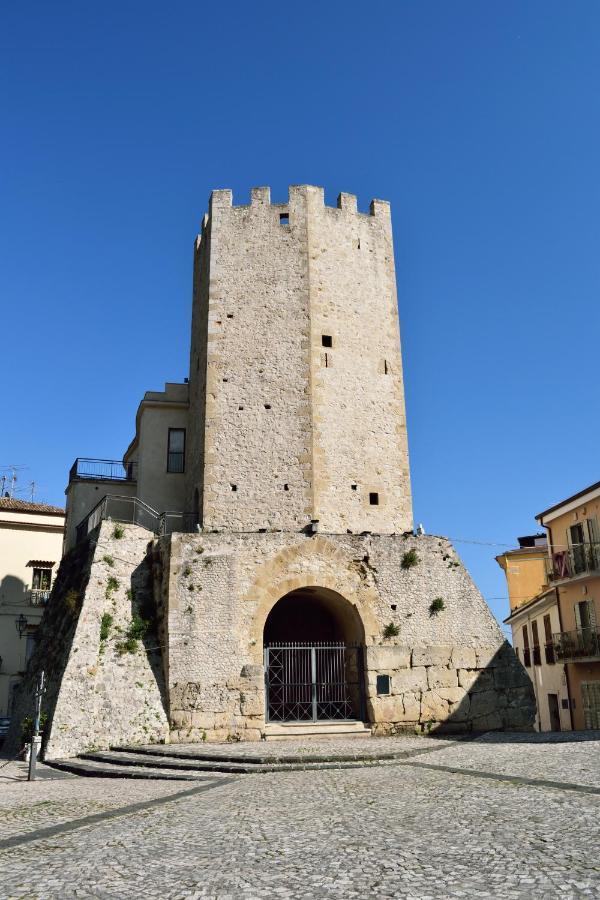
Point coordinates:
pixel 577 539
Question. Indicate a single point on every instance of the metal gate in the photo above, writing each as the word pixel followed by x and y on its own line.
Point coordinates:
pixel 314 682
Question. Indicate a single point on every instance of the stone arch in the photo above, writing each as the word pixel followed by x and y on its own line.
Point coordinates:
pixel 311 563
pixel 316 614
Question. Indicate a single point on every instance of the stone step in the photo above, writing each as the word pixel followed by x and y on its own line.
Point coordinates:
pixel 277 732
pixel 96 769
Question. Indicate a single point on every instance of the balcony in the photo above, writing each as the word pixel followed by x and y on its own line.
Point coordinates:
pixel 38 597
pixel 577 646
pixel 84 469
pixel 580 559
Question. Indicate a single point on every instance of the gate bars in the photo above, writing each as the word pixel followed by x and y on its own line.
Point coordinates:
pixel 314 682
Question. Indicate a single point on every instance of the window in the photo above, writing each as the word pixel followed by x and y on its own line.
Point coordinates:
pixel 384 684
pixel 374 498
pixel 326 340
pixel 354 487
pixel 42 579
pixel 537 661
pixel 176 451
pixel 549 649
pixel 526 654
pixel 284 218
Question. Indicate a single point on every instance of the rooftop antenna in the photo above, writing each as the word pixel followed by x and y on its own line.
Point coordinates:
pixel 32 488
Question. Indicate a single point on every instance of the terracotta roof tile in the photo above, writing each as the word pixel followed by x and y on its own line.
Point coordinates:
pixel 11 505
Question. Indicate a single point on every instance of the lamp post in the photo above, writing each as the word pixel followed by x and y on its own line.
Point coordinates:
pixel 36 738
pixel 21 625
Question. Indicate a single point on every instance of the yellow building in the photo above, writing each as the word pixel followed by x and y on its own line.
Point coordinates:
pixel 31 536
pixel 534 619
pixel 573 527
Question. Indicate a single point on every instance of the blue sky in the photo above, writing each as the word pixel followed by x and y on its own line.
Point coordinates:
pixel 478 121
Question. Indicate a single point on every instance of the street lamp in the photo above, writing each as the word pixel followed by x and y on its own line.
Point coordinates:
pixel 21 625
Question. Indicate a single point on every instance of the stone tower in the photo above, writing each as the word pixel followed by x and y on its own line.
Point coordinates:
pixel 296 391
pixel 290 591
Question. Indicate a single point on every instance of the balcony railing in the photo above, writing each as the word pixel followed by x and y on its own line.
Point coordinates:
pixel 102 470
pixel 136 512
pixel 574 646
pixel 577 560
pixel 38 597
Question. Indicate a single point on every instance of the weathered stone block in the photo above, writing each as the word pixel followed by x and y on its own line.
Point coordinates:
pixel 511 676
pixel 488 657
pixel 437 676
pixel 412 707
pixel 202 720
pixel 463 658
pixel 491 722
pixel 475 680
pixel 486 702
pixel 388 709
pixel 181 718
pixel 431 656
pixel 433 707
pixel 385 658
pixel 409 680
pixel 252 704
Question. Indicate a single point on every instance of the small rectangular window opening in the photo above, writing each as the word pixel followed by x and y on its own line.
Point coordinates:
pixel 374 498
pixel 240 407
pixel 326 362
pixel 385 367
pixel 286 487
pixel 384 684
pixel 327 340
pixel 267 406
pixel 284 218
pixel 176 450
pixel 234 487
pixel 226 379
pixel 354 487
pixel 230 315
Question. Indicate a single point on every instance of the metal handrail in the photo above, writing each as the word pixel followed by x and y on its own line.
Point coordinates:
pixel 86 468
pixel 39 597
pixel 581 644
pixel 119 508
pixel 576 560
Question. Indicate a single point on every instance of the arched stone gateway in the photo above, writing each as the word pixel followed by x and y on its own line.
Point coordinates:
pixel 314 658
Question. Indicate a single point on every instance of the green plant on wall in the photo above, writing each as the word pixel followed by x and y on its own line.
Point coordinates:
pixel 111 586
pixel 108 560
pixel 118 532
pixel 436 606
pixel 105 626
pixel 137 630
pixel 391 630
pixel 409 559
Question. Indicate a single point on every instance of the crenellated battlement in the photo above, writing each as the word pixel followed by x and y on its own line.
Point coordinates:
pixel 261 197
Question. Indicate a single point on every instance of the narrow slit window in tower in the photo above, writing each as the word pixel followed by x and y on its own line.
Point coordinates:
pixel 326 340
pixel 234 487
pixel 286 487
pixel 385 367
pixel 374 498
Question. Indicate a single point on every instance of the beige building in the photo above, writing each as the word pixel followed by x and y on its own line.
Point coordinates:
pixel 31 537
pixel 573 527
pixel 534 620
pixel 249 567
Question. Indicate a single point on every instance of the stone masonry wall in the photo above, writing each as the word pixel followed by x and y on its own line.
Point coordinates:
pixel 451 668
pixel 107 694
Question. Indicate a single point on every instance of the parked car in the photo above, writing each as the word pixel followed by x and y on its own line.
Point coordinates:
pixel 4 723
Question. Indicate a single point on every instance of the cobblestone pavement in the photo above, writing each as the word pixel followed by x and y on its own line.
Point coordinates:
pixel 404 830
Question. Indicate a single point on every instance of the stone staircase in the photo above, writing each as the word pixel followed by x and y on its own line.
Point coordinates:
pixel 191 762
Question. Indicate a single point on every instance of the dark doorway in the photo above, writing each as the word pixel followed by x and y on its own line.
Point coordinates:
pixel 313 648
pixel 554 712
